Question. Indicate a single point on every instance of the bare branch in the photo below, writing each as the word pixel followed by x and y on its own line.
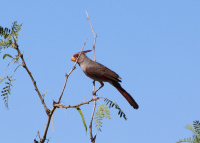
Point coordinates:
pixel 74 106
pixel 71 72
pixel 53 109
pixel 95 36
pixel 90 127
pixel 93 47
pixel 34 82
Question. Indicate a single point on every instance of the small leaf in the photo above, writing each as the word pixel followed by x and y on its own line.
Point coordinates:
pixel 4 91
pixel 4 94
pixel 83 119
pixel 5 97
pixel 5 87
pixel 7 55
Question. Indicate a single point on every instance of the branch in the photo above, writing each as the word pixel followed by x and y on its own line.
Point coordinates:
pixel 34 82
pixel 95 36
pixel 73 106
pixel 71 72
pixel 15 69
pixel 93 47
pixel 53 109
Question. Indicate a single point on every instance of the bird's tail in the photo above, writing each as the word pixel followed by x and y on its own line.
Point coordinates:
pixel 126 95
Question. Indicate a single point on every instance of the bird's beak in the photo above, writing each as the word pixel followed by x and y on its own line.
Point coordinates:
pixel 73 59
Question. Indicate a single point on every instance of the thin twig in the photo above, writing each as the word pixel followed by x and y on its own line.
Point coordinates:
pixel 28 57
pixel 74 106
pixel 7 67
pixel 95 36
pixel 90 127
pixel 64 111
pixel 84 98
pixel 71 72
pixel 15 68
pixel 53 109
pixel 93 47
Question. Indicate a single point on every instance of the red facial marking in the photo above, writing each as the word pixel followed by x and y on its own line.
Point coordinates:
pixel 75 55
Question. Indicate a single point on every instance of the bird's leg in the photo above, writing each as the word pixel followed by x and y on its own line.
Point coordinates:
pixel 102 84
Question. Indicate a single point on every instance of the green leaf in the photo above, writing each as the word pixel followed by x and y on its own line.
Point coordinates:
pixel 83 119
pixel 5 87
pixel 4 91
pixel 4 94
pixel 102 112
pixel 7 55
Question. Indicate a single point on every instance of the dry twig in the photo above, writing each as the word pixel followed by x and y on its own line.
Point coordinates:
pixel 53 109
pixel 93 47
pixel 95 36
pixel 74 106
pixel 34 82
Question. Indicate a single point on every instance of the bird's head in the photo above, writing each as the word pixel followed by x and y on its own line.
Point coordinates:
pixel 81 58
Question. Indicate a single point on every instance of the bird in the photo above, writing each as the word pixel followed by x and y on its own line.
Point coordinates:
pixel 101 73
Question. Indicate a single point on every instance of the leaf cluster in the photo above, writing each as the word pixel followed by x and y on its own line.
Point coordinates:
pixel 102 112
pixel 7 89
pixel 112 104
pixel 196 125
pixel 10 35
pixel 196 133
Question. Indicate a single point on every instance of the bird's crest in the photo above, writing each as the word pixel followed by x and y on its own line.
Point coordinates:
pixel 82 52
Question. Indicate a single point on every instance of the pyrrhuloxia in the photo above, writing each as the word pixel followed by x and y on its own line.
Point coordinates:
pixel 98 72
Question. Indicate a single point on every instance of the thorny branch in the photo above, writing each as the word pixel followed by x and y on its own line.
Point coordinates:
pixel 93 47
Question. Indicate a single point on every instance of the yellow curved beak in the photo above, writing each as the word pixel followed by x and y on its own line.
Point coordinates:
pixel 73 59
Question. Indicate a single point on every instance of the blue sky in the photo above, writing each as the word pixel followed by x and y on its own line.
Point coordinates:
pixel 153 45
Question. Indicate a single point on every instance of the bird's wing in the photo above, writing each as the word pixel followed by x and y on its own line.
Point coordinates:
pixel 98 70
